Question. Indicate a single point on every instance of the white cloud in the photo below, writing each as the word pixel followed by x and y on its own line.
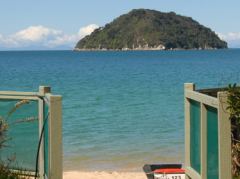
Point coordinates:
pixel 36 33
pixel 72 39
pixel 43 37
pixel 232 38
pixel 87 30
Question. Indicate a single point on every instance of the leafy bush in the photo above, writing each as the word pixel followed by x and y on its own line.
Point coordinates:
pixel 234 110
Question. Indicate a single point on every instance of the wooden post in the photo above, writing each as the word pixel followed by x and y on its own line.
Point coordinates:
pixel 187 86
pixel 55 137
pixel 224 134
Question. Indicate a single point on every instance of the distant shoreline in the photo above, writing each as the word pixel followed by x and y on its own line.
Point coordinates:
pixel 145 49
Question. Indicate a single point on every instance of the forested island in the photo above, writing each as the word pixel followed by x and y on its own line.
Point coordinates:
pixel 144 29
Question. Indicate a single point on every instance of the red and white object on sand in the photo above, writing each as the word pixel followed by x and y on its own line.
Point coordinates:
pixel 169 173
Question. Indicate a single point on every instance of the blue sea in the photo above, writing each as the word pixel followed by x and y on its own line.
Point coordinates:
pixel 121 110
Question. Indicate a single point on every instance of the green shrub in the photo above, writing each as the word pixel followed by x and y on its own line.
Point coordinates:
pixel 234 110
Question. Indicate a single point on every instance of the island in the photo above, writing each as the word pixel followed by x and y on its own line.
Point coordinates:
pixel 144 29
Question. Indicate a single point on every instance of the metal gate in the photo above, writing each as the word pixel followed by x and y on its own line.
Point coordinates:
pixel 33 138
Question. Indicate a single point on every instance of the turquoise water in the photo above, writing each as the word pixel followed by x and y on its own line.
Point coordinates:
pixel 120 109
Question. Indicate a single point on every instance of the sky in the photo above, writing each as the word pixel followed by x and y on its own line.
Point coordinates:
pixel 59 24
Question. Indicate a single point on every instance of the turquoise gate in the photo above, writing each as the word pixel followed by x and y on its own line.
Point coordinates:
pixel 34 132
pixel 207 134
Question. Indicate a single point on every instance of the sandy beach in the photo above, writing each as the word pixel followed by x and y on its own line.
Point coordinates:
pixel 103 175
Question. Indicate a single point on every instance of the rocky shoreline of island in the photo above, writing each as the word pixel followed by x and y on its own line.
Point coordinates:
pixel 139 49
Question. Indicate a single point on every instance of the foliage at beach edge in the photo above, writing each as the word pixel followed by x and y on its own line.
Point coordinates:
pixel 5 172
pixel 234 110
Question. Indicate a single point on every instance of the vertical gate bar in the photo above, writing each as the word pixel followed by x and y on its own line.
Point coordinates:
pixel 203 141
pixel 41 154
pixel 42 91
pixel 187 86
